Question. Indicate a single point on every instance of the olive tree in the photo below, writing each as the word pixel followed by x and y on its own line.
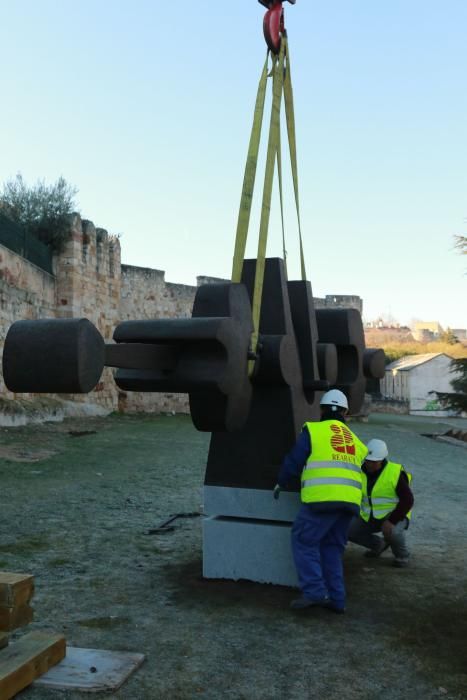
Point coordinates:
pixel 42 209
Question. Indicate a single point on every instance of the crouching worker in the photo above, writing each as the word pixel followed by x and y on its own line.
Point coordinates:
pixel 327 458
pixel 387 500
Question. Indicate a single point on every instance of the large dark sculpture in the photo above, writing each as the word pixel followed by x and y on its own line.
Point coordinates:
pixel 301 353
pixel 254 416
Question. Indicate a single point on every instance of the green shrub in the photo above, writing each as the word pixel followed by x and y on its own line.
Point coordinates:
pixel 43 210
pixel 456 400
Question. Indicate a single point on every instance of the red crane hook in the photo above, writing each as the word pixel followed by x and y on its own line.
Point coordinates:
pixel 273 23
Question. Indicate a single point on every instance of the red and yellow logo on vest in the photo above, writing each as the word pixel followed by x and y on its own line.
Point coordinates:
pixel 342 439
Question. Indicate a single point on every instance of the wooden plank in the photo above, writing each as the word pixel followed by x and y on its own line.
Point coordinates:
pixel 15 589
pixel 12 618
pixel 27 659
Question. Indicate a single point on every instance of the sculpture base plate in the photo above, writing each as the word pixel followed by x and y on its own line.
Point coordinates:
pixel 246 535
pixel 245 549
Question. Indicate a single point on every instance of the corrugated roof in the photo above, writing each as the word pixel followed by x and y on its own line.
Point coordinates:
pixel 408 362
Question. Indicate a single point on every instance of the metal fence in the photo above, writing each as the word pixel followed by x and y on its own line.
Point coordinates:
pixel 17 238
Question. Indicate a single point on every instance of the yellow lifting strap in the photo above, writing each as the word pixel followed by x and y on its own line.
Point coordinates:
pixel 290 118
pixel 249 178
pixel 274 131
pixel 281 199
pixel 282 86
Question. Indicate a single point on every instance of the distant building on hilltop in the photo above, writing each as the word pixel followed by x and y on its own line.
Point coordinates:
pixel 339 301
pixel 426 331
pixel 379 331
pixel 380 323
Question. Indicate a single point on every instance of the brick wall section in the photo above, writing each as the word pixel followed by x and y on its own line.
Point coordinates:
pixel 26 292
pixel 88 276
pixel 146 295
pixel 88 285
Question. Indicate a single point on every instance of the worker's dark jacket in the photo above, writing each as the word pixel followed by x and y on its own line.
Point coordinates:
pixel 403 491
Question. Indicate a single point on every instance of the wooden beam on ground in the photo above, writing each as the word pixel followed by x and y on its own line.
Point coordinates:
pixel 15 589
pixel 27 659
pixel 12 618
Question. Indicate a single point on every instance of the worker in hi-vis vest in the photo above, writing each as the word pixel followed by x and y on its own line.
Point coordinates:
pixel 327 458
pixel 387 502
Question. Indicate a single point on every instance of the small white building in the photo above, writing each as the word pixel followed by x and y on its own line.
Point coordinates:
pixel 413 377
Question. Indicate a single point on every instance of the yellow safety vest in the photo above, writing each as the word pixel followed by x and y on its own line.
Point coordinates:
pixel 383 499
pixel 333 469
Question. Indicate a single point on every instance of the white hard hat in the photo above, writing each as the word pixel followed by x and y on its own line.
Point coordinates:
pixel 377 450
pixel 334 397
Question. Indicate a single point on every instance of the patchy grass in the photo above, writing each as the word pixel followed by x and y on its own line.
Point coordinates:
pixel 104 623
pixel 25 546
pixel 78 522
pixel 59 561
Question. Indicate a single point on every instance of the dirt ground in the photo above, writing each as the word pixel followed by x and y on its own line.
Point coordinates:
pixel 78 498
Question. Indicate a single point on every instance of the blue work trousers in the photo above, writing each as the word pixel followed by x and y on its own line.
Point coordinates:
pixel 318 543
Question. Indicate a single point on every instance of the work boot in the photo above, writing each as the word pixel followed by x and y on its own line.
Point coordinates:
pixel 375 553
pixel 400 563
pixel 302 603
pixel 335 607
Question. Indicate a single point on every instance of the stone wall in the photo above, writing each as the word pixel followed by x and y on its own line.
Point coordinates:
pixel 90 281
pixel 339 301
pixel 144 295
pixel 86 283
pixel 26 292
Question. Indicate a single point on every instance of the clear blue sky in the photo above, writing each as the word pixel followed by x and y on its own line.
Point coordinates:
pixel 146 107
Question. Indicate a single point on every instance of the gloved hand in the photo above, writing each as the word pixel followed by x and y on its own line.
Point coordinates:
pixel 387 528
pixel 276 492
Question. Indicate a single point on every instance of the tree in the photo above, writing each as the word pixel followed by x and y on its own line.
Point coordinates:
pixel 448 337
pixel 43 210
pixel 461 244
pixel 458 399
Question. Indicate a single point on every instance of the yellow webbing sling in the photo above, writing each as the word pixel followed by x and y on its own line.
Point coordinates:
pixel 282 85
pixel 249 178
pixel 290 118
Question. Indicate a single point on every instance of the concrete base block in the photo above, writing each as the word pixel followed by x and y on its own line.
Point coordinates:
pixel 250 503
pixel 255 550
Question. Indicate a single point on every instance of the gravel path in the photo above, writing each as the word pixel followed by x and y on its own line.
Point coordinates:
pixel 78 498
